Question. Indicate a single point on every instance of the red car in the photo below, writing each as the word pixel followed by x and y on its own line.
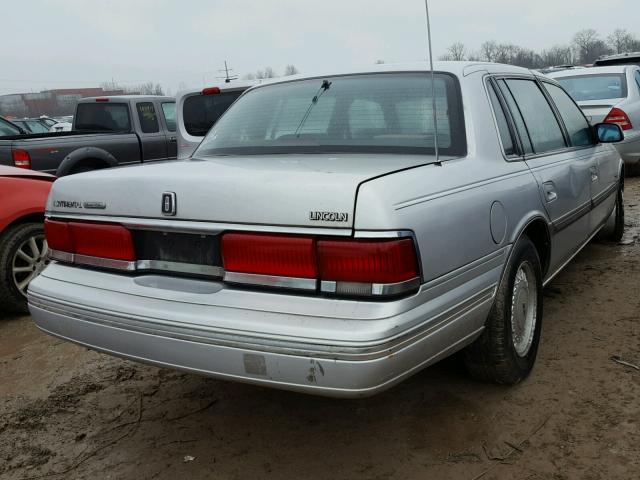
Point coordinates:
pixel 23 248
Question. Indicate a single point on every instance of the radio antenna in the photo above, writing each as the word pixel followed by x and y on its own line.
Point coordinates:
pixel 433 85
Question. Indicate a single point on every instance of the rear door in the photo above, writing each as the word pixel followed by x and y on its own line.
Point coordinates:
pixel 563 174
pixel 605 169
pixel 153 140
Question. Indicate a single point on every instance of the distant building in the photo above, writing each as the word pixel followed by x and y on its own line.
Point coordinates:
pixel 52 103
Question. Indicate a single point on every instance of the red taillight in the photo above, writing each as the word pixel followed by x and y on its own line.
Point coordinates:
pixel 277 255
pixel 343 266
pixel 58 236
pixel 102 100
pixel 21 158
pixel 367 261
pixel 211 91
pixel 102 240
pixel 91 239
pixel 619 117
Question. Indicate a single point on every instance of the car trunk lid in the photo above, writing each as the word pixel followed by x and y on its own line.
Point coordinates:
pixel 316 190
pixel 597 110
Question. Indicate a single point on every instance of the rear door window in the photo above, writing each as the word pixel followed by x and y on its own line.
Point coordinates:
pixel 541 123
pixel 200 112
pixel 503 126
pixel 103 117
pixel 147 117
pixel 169 112
pixel 574 120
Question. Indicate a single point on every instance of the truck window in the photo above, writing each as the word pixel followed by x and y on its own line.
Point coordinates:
pixel 103 117
pixel 200 112
pixel 147 117
pixel 169 112
pixel 7 129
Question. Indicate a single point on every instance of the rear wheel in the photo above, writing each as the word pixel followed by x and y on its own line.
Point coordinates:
pixel 23 255
pixel 506 351
pixel 614 228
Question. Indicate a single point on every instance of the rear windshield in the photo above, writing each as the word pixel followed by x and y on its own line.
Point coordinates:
pixel 103 117
pixel 388 112
pixel 595 87
pixel 7 129
pixel 200 112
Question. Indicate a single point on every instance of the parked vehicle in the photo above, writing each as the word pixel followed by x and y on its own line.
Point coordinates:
pixel 610 95
pixel 199 109
pixel 8 129
pixel 61 127
pixel 316 241
pixel 23 248
pixel 31 125
pixel 107 132
pixel 49 122
pixel 630 58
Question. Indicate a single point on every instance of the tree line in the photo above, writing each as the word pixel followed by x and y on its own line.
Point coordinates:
pixel 269 72
pixel 585 47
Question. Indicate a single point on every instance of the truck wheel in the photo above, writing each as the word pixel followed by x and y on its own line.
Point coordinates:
pixel 23 255
pixel 507 349
pixel 613 230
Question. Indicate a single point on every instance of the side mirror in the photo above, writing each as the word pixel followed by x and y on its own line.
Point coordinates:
pixel 608 133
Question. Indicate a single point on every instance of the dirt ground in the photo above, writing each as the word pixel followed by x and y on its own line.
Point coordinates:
pixel 66 412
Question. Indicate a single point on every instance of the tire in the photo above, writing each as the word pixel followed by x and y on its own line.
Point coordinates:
pixel 614 228
pixel 495 356
pixel 13 283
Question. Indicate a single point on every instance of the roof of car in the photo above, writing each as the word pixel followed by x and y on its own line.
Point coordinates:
pixel 127 98
pixel 590 71
pixel 457 68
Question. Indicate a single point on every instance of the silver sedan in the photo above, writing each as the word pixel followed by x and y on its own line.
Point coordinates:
pixel 335 234
pixel 610 94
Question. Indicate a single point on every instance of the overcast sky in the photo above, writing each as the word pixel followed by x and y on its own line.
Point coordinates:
pixel 82 43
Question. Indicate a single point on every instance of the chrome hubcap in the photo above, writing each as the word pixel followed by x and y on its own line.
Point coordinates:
pixel 28 261
pixel 524 309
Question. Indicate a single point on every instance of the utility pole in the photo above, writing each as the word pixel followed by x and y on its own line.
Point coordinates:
pixel 226 70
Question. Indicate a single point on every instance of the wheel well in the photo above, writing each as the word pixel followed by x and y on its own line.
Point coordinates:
pixel 33 217
pixel 539 235
pixel 93 163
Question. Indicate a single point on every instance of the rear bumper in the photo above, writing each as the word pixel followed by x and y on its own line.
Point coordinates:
pixel 128 326
pixel 629 149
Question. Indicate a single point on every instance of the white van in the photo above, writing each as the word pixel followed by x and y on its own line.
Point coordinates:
pixel 198 110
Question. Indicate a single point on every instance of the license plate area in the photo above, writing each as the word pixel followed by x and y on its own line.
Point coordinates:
pixel 169 250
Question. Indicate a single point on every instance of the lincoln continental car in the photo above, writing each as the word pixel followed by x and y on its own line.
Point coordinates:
pixel 335 234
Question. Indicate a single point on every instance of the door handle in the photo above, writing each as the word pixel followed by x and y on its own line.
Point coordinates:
pixel 594 174
pixel 173 139
pixel 550 193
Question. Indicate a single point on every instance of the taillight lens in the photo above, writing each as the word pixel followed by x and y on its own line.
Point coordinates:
pixel 277 255
pixel 211 91
pixel 21 158
pixel 342 266
pixel 367 261
pixel 619 117
pixel 91 239
pixel 58 236
pixel 102 240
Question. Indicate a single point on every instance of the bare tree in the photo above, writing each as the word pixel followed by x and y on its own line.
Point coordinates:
pixel 379 62
pixel 621 41
pixel 589 45
pixel 557 55
pixel 268 72
pixel 290 70
pixel 456 52
pixel 489 51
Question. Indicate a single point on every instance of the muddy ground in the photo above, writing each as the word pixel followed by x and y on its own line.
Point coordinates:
pixel 66 412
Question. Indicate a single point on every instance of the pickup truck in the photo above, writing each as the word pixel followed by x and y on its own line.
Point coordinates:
pixel 107 131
